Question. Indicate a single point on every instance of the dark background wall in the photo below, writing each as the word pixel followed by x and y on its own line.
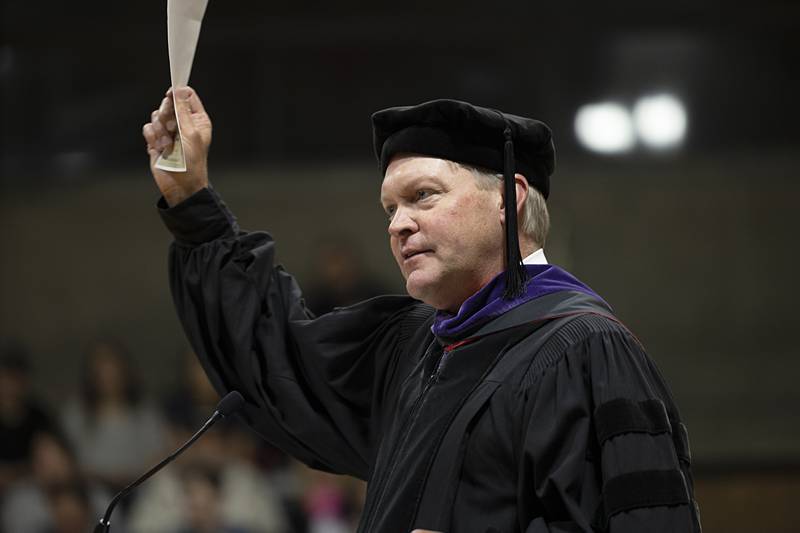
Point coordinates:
pixel 698 264
pixel 696 250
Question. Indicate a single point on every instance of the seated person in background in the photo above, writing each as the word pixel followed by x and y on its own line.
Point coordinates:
pixel 116 433
pixel 340 277
pixel 21 414
pixel 203 513
pixel 28 506
pixel 244 496
pixel 70 508
pixel 191 400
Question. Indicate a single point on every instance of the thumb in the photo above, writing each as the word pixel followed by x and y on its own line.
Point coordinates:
pixel 183 109
pixel 154 154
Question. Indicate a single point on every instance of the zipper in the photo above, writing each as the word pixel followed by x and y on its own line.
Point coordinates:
pixel 398 446
pixel 435 376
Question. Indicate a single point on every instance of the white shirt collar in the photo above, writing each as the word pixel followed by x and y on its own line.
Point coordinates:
pixel 536 258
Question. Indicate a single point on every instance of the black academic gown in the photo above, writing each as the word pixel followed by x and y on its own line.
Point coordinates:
pixel 550 418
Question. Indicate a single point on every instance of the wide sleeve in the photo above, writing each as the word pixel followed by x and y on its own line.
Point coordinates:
pixel 602 444
pixel 312 386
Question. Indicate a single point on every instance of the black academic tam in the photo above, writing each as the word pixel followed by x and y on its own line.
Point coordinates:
pixel 478 136
pixel 550 418
pixel 466 133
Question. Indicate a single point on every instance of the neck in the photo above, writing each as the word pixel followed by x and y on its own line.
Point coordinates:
pixel 527 246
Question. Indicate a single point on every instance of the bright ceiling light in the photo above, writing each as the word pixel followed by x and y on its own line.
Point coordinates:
pixel 605 127
pixel 660 121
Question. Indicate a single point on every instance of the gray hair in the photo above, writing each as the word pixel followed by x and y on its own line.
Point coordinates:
pixel 534 221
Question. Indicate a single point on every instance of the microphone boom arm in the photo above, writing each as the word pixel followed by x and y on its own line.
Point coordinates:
pixel 230 403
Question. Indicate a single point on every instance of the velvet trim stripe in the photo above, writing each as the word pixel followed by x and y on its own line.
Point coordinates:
pixel 636 490
pixel 620 416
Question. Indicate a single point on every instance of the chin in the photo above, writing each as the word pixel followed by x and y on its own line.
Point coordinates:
pixel 420 288
pixel 415 291
pixel 429 293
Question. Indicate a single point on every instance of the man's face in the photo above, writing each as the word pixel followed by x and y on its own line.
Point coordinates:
pixel 446 234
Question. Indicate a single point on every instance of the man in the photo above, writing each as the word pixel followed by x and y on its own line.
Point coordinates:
pixel 499 396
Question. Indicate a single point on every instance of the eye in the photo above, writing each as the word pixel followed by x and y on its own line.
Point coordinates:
pixel 390 212
pixel 423 193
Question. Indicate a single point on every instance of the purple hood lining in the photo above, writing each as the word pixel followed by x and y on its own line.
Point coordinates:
pixel 488 303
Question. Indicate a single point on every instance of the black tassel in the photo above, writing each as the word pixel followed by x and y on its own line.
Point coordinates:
pixel 516 276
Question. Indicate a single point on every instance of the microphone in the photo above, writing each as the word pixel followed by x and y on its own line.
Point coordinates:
pixel 228 405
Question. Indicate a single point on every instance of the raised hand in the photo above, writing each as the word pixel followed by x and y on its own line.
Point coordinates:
pixel 196 139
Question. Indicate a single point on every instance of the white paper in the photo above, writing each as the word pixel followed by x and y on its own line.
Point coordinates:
pixel 184 19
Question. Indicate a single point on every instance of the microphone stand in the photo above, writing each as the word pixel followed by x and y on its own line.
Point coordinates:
pixel 230 403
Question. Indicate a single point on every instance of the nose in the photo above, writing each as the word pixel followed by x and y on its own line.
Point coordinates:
pixel 402 224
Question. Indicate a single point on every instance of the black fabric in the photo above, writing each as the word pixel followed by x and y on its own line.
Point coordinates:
pixel 461 132
pixel 635 490
pixel 205 224
pixel 368 391
pixel 681 439
pixel 442 478
pixel 430 402
pixel 622 415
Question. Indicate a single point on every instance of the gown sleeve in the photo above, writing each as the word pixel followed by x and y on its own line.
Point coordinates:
pixel 603 447
pixel 311 385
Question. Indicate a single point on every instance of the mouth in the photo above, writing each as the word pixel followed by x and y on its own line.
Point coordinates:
pixel 415 253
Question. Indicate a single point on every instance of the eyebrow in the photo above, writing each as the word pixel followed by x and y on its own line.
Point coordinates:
pixel 415 182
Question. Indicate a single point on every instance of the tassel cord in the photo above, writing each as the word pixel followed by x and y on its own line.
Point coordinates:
pixel 515 271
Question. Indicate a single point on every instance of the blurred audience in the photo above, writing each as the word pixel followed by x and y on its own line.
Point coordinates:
pixel 341 278
pixel 189 403
pixel 116 433
pixel 70 508
pixel 332 502
pixel 219 464
pixel 21 414
pixel 193 399
pixel 215 485
pixel 55 496
pixel 55 480
pixel 202 490
pixel 326 504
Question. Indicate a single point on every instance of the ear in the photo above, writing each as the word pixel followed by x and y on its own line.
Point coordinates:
pixel 522 194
